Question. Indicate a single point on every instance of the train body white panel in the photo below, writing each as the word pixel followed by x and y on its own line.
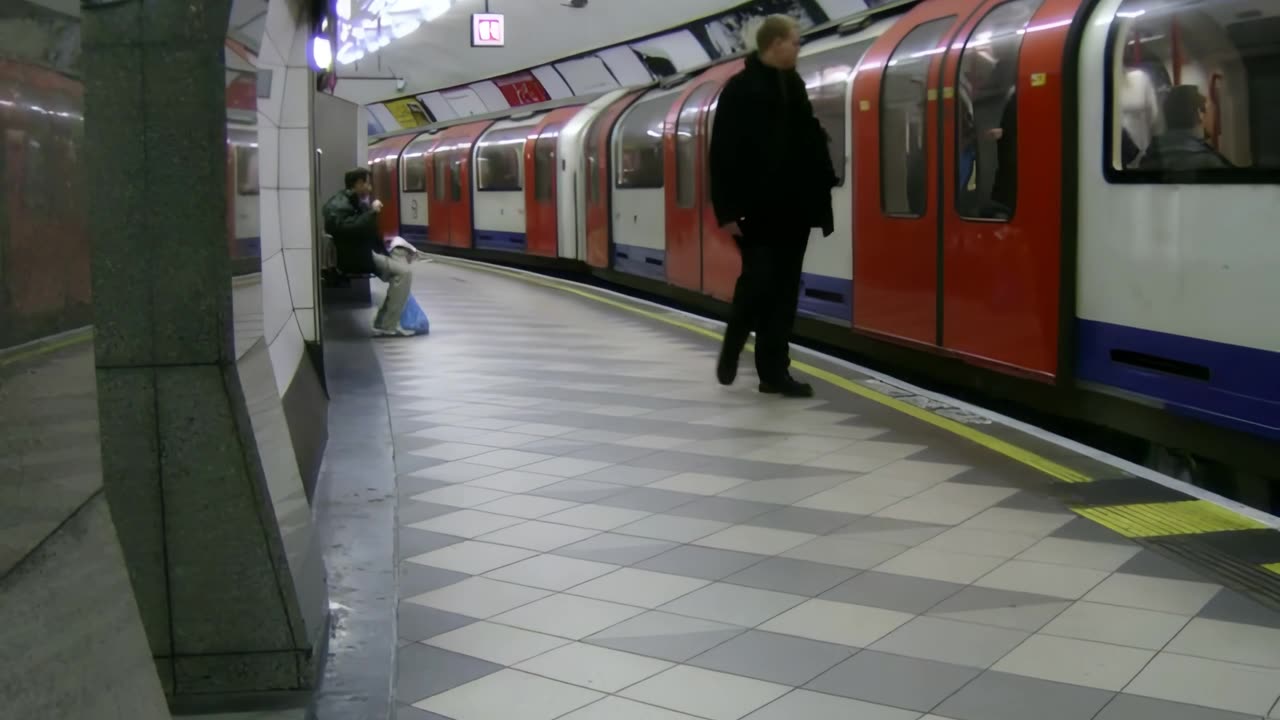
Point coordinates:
pixel 500 210
pixel 640 217
pixel 415 219
pixel 571 178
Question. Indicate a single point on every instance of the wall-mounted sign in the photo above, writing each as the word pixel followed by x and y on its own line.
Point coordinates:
pixel 488 30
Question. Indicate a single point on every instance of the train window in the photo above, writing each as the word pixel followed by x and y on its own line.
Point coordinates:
pixel 593 162
pixel 1192 92
pixel 414 172
pixel 711 123
pixel 456 158
pixel 246 169
pixel 903 103
pixel 500 159
pixel 544 165
pixel 638 144
pixel 687 145
pixel 987 113
pixel 826 75
pixel 440 163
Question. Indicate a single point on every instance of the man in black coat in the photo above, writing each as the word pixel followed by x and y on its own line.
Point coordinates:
pixel 352 219
pixel 771 180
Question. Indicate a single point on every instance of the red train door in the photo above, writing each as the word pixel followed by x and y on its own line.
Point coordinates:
pixel 541 231
pixel 451 173
pixel 721 261
pixel 1001 232
pixel 684 143
pixel 599 143
pixel 385 168
pixel 896 216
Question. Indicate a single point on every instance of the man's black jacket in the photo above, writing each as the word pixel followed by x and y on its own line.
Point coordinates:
pixel 355 233
pixel 769 153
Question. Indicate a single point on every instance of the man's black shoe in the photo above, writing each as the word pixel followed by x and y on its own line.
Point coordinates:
pixel 727 367
pixel 788 388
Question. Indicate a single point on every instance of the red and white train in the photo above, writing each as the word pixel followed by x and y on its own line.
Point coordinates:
pixel 996 209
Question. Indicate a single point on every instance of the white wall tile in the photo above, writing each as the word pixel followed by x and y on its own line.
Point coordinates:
pixel 301 270
pixel 286 354
pixel 294 166
pixel 306 318
pixel 268 155
pixel 295 219
pixel 296 111
pixel 269 107
pixel 300 53
pixel 282 22
pixel 277 306
pixel 268 54
pixel 269 221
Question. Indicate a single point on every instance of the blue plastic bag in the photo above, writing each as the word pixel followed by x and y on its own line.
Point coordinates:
pixel 414 319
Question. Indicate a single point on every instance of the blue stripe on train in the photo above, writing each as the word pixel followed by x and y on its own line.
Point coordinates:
pixel 1228 385
pixel 499 240
pixel 415 234
pixel 642 261
pixel 827 297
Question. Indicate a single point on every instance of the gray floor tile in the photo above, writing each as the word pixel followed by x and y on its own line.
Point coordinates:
pixel 408 712
pixel 408 485
pixel 649 499
pixel 665 636
pixel 1088 530
pixel 1152 564
pixel 798 577
pixel 628 475
pixel 893 592
pixel 893 680
pixel 579 490
pixel 806 520
pixel 1134 707
pixel 1231 606
pixel 700 562
pixel 999 696
pixel 407 463
pixel 951 641
pixel 415 579
pixel 415 542
pixel 423 671
pixel 809 705
pixel 1032 500
pixel 669 460
pixel 724 509
pixel 616 549
pixel 773 658
pixel 1001 608
pixel 888 531
pixel 610 453
pixel 556 446
pixel 417 622
pixel 411 511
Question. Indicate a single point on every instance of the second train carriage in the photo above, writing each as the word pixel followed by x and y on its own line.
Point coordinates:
pixel 992 209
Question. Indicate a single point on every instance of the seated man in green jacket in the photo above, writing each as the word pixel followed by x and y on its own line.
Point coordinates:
pixel 352 220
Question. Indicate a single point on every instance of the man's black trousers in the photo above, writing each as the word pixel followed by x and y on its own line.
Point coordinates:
pixel 767 294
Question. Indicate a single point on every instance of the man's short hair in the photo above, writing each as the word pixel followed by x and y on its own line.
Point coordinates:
pixel 773 29
pixel 354 176
pixel 1182 107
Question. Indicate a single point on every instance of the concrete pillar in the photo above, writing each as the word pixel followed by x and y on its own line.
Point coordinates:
pixel 182 472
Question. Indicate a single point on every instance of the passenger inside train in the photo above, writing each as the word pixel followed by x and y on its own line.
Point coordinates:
pixel 1182 145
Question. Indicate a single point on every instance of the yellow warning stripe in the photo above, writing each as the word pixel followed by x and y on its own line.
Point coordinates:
pixel 46 348
pixel 1187 517
pixel 1273 567
pixel 1009 450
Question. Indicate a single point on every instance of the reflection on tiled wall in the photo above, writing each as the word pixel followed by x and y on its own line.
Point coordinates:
pixel 284 119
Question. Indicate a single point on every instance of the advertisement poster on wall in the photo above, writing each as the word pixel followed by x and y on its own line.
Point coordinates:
pixel 522 89
pixel 727 33
pixel 408 112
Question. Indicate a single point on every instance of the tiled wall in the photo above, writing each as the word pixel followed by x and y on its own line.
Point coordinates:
pixel 288 229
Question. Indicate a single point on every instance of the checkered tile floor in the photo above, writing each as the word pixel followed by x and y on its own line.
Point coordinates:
pixel 592 529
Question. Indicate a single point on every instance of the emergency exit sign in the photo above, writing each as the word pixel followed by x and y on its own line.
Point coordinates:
pixel 488 30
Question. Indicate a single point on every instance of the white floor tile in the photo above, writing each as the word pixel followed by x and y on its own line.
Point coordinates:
pixel 513 481
pixel 1107 557
pixel 455 472
pixel 1232 642
pixel 758 540
pixel 509 694
pixel 672 527
pixel 1031 577
pixel 508 459
pixel 642 588
pixel 451 451
pixel 463 496
pixel 568 616
pixel 840 623
pixel 975 542
pixel 849 498
pixel 708 694
pixel 566 467
pixel 616 708
pixel 496 643
pixel 1075 662
pixel 1022 522
pixel 733 604
pixel 540 536
pixel 596 517
pixel 466 523
pixel 1131 627
pixel 1180 597
pixel 552 572
pixel 698 484
pixel 596 668
pixel 479 597
pixel 938 565
pixel 473 558
pixel 808 705
pixel 1211 683
pixel 525 506
pixel 845 551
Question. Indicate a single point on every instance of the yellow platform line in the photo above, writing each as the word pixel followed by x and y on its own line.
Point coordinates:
pixel 1273 567
pixel 45 349
pixel 1009 450
pixel 1188 517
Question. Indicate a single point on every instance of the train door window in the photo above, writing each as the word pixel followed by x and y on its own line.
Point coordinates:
pixel 904 100
pixel 638 144
pixel 593 162
pixel 544 164
pixel 247 169
pixel 414 170
pixel 456 158
pixel 987 113
pixel 440 158
pixel 687 145
pixel 500 160
pixel 1193 92
pixel 711 123
pixel 826 75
